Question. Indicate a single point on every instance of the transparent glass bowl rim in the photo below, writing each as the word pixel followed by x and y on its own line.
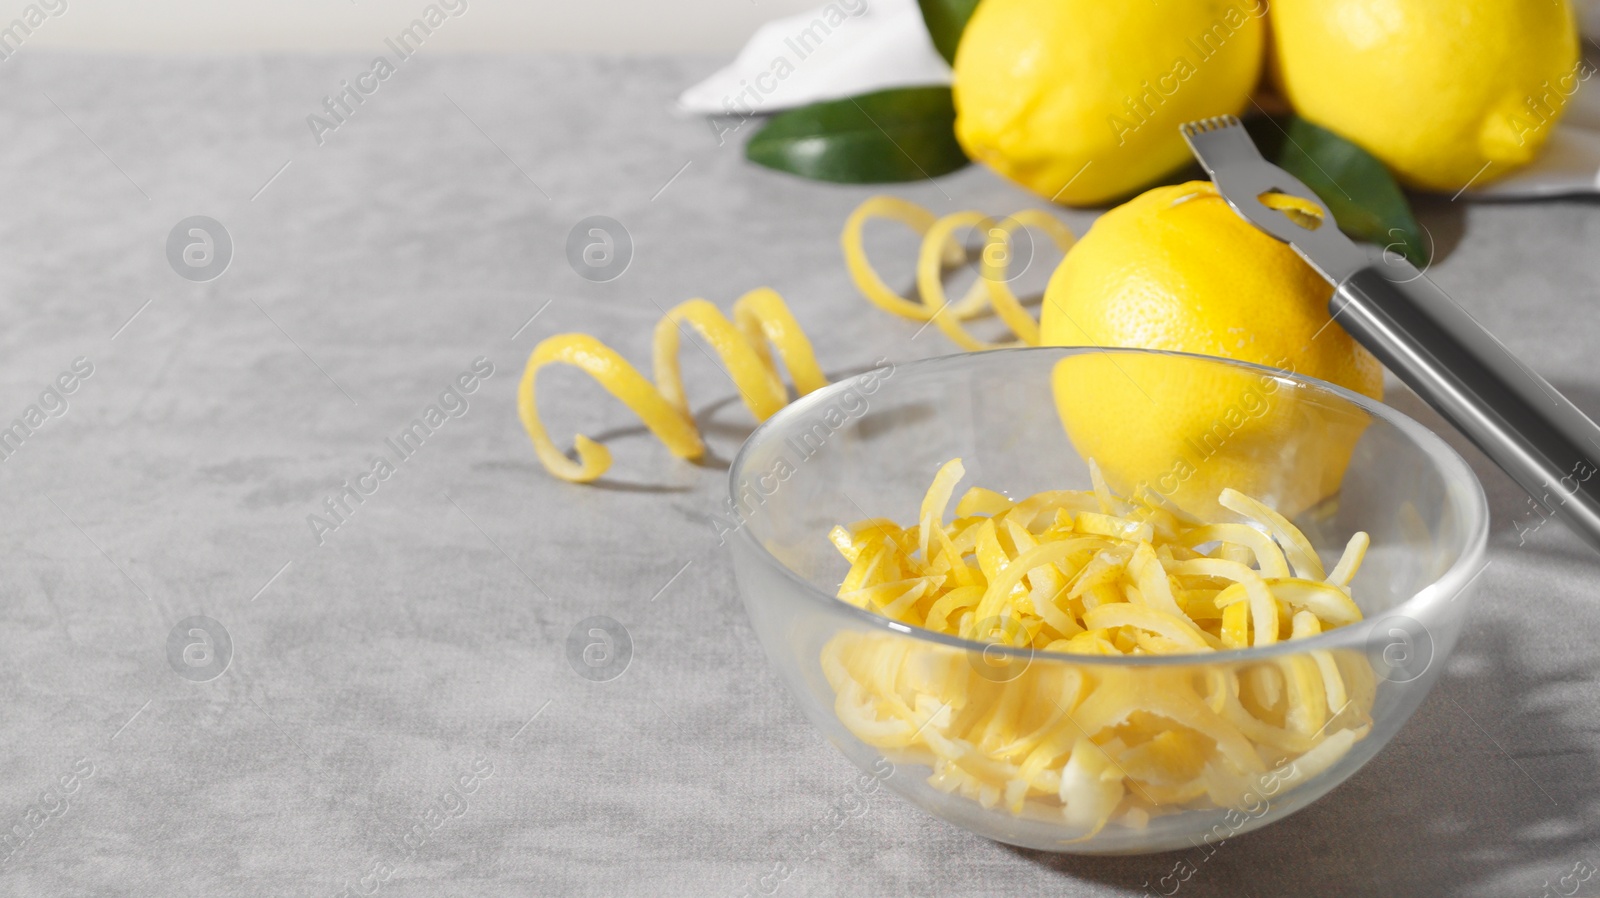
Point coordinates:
pixel 1453 468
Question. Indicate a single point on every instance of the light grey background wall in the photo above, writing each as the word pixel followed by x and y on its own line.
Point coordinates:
pixel 623 26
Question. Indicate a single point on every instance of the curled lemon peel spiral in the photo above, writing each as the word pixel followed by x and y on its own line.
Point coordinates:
pixel 766 321
pixel 621 380
pixel 866 278
pixel 940 251
pixel 930 277
pixel 755 378
pixel 996 267
pixel 762 326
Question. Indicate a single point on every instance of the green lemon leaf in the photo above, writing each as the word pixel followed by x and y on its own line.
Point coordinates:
pixel 1362 195
pixel 902 134
pixel 946 19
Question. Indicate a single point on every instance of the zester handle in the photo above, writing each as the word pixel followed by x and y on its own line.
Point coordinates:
pixel 1516 417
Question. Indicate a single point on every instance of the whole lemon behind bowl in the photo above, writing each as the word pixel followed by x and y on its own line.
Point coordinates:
pixel 1177 269
pixel 1445 93
pixel 1080 100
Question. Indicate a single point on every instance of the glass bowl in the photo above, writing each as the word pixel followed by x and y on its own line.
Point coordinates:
pixel 1332 460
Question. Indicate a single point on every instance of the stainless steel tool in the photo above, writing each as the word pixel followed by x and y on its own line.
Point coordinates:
pixel 1515 416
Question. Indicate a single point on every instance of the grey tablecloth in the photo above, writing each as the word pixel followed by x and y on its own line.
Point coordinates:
pixel 399 710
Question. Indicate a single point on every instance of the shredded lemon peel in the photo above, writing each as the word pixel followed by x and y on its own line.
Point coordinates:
pixel 762 327
pixel 1090 572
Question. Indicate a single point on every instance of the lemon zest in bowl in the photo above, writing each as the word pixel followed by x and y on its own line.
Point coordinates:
pixel 1090 572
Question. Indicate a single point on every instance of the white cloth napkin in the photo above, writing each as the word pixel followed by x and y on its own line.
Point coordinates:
pixel 845 48
pixel 851 47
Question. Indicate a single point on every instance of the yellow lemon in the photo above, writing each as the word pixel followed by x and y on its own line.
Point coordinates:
pixel 1446 93
pixel 1080 100
pixel 1177 269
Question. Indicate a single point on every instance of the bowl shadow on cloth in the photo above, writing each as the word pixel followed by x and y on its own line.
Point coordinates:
pixel 1483 789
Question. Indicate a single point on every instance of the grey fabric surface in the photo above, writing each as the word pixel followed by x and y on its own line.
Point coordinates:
pixel 426 639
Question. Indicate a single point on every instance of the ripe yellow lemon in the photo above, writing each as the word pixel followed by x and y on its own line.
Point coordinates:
pixel 1446 93
pixel 1080 100
pixel 1177 269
